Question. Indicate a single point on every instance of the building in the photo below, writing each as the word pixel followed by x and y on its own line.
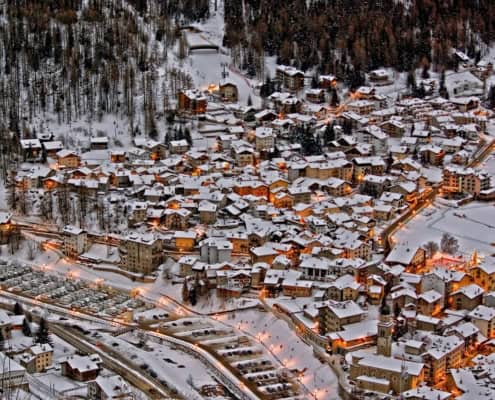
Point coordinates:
pixel 333 315
pixel 384 334
pixel 109 387
pixel 7 228
pixel 379 77
pixel 177 218
pixel 215 250
pixel 290 77
pixel 406 255
pixel 31 149
pixel 483 275
pixel 192 102
pixel 5 325
pixel 467 297
pixel 427 393
pixel 384 374
pixel 68 159
pixel 99 143
pixel 81 368
pixel 265 139
pixel 178 146
pixel 327 81
pixel 12 374
pixel 465 180
pixel 141 253
pixel 75 241
pixel 38 358
pixel 430 303
pixel 228 91
pixel 315 95
pixel 484 319
pixel 207 212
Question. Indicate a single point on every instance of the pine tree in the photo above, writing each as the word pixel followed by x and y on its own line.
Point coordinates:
pixel 18 310
pixel 329 134
pixel 185 291
pixel 43 334
pixel 26 328
pixel 491 96
pixel 334 99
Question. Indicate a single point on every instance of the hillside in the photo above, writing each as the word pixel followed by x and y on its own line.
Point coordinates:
pixel 335 34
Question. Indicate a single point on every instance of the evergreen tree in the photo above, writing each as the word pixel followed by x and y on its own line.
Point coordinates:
pixel 334 99
pixel 43 334
pixel 411 81
pixel 193 299
pixel 18 310
pixel 187 136
pixel 491 96
pixel 26 328
pixel 185 291
pixel 329 133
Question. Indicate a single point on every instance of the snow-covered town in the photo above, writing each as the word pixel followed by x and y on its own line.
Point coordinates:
pixel 251 230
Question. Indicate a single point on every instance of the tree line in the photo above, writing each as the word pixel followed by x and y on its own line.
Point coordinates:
pixel 334 35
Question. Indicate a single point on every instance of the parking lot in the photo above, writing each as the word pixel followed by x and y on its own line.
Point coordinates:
pixel 242 352
pixel 68 292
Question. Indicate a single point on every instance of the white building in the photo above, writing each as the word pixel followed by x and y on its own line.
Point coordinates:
pixel 215 250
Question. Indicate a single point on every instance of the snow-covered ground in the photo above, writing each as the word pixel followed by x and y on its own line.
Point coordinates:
pixel 276 336
pixel 473 225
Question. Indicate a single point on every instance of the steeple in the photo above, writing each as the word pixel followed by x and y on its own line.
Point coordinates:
pixel 385 330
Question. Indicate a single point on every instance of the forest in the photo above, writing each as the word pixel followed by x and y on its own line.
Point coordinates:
pixel 335 35
pixel 76 59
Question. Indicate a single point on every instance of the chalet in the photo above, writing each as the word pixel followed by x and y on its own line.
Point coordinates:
pixel 51 148
pixel 265 117
pixel 465 104
pixel 7 227
pixel 191 102
pixel 364 92
pixel 361 107
pixel 228 91
pixel 393 128
pixel 432 154
pixel 315 95
pixel 379 77
pixel 81 368
pixel 327 81
pixel 463 84
pixel 31 149
pixel 99 143
pixel 184 240
pixel 430 303
pixel 118 156
pixel 290 77
pixel 465 180
pixel 374 136
pixel 406 255
pixel 109 388
pixel 467 297
pixel 483 318
pixel 178 146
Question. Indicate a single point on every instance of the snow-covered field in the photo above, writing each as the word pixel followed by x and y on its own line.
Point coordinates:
pixel 473 225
